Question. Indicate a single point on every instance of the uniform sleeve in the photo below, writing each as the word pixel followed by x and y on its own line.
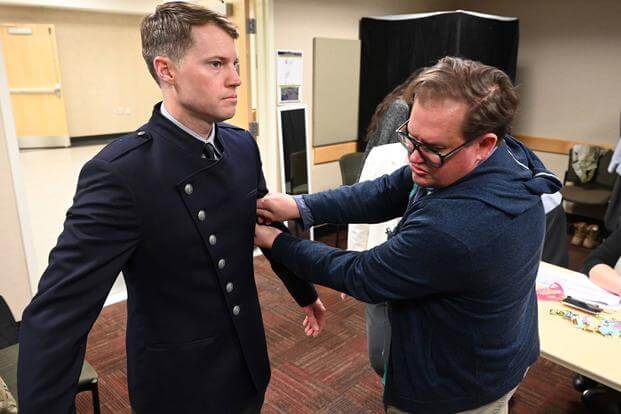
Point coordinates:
pixel 100 233
pixel 410 265
pixel 303 293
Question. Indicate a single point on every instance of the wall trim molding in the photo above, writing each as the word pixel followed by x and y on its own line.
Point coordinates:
pixel 43 142
pixel 331 153
pixel 554 145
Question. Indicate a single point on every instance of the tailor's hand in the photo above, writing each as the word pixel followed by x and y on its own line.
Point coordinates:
pixel 315 318
pixel 264 236
pixel 276 207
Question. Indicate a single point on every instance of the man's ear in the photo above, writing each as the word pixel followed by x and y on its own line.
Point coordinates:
pixel 164 69
pixel 486 145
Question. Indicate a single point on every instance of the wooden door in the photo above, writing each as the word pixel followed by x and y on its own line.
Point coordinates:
pixel 35 87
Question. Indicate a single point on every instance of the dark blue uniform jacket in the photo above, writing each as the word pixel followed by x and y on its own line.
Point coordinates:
pixel 180 227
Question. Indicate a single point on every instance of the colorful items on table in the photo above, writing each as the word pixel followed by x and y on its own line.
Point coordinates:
pixel 600 324
pixel 554 292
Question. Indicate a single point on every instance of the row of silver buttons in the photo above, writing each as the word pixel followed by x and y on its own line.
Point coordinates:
pixel 189 189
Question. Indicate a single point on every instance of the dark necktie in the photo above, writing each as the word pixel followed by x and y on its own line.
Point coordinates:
pixel 210 151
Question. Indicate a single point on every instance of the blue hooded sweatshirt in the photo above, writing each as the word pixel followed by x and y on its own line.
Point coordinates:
pixel 458 274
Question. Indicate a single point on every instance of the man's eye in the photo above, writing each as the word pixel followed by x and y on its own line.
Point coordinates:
pixel 216 64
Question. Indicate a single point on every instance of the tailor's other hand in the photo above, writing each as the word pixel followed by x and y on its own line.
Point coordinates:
pixel 264 236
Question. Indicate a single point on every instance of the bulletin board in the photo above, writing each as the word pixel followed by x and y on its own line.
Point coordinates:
pixel 336 79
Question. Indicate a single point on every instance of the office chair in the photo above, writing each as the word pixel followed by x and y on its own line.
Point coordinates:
pixel 589 199
pixel 9 350
pixel 351 165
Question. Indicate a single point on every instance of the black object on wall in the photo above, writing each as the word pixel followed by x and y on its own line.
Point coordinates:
pixel 293 127
pixel 394 47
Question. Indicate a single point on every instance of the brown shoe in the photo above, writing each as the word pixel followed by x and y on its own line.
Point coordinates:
pixel 580 232
pixel 592 233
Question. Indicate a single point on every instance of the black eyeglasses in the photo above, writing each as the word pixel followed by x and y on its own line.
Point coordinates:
pixel 431 157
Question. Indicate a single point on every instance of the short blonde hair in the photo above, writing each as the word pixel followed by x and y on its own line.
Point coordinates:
pixel 168 31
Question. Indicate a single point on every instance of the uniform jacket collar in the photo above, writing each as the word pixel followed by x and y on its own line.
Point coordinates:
pixel 162 127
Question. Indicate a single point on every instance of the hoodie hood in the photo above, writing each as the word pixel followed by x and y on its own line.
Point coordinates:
pixel 512 180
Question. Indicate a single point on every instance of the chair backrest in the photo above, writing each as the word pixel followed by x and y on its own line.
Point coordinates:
pixel 299 176
pixel 351 165
pixel 9 333
pixel 603 177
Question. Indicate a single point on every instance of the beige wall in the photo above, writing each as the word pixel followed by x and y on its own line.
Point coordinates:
pixel 569 59
pixel 569 66
pixel 296 22
pixel 101 68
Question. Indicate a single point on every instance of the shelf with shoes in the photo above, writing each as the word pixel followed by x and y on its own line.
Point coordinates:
pixel 586 235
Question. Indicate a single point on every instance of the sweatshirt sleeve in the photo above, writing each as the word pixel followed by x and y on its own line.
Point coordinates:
pixel 367 202
pixel 408 266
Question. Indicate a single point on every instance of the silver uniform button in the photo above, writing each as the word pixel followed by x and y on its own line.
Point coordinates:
pixel 188 189
pixel 141 133
pixel 212 239
pixel 229 287
pixel 236 310
pixel 201 215
pixel 221 264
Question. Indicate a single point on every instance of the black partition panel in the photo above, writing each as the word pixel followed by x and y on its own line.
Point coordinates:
pixel 392 48
pixel 293 127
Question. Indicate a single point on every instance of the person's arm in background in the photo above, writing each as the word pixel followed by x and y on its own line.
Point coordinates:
pixel 599 264
pixel 303 292
pixel 383 159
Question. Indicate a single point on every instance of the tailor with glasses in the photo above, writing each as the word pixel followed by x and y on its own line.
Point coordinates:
pixel 458 272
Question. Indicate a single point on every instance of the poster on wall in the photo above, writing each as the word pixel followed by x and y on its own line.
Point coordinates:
pixel 289 66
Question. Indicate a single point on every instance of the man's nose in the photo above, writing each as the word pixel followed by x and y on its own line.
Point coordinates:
pixel 415 156
pixel 234 80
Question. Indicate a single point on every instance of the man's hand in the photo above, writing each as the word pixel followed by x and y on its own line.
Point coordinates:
pixel 315 318
pixel 264 236
pixel 276 207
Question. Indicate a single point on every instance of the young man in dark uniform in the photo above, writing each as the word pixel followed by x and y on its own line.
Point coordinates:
pixel 173 207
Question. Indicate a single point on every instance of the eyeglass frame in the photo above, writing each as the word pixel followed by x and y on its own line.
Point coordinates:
pixel 405 135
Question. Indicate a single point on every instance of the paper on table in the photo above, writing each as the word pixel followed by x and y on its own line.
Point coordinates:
pixel 578 285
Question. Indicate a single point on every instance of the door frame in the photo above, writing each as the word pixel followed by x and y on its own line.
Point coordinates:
pixel 266 93
pixel 10 136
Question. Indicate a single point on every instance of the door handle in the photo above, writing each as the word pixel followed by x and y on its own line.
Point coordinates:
pixel 36 91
